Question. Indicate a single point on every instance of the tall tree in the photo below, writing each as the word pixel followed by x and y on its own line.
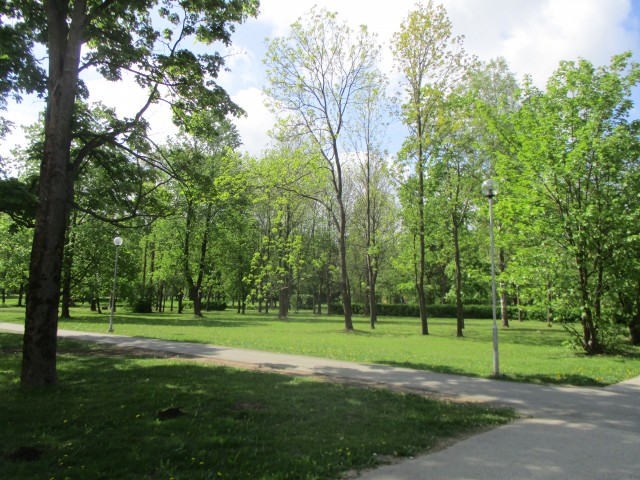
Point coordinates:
pixel 314 74
pixel 575 153
pixel 454 176
pixel 116 36
pixel 431 60
pixel 368 139
pixel 209 182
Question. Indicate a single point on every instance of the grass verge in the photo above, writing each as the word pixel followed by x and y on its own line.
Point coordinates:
pixel 132 417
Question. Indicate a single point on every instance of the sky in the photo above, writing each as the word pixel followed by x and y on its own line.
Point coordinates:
pixel 532 35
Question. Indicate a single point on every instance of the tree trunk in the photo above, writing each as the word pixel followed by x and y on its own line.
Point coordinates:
pixel 55 196
pixel 344 273
pixel 419 284
pixel 180 302
pixel 283 302
pixel 549 305
pixel 373 308
pixel 422 303
pixel 503 292
pixel 590 340
pixel 194 296
pixel 459 308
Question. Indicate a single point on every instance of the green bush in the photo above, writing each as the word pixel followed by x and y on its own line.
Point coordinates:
pixel 141 305
pixel 216 306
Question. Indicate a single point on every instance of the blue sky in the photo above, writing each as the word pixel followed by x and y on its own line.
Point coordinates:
pixel 533 36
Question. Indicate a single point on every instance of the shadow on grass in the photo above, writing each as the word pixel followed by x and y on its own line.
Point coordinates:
pixel 105 416
pixel 541 379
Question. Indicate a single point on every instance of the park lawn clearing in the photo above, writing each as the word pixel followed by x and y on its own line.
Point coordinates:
pixel 121 415
pixel 530 351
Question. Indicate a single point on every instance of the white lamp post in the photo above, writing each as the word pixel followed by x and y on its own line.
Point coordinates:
pixel 490 190
pixel 117 241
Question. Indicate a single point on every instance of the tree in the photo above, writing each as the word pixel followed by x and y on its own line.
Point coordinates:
pixel 14 256
pixel 431 61
pixel 576 152
pixel 209 184
pixel 368 138
pixel 314 74
pixel 454 176
pixel 495 89
pixel 118 36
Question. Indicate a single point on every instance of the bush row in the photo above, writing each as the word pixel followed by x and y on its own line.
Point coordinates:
pixel 449 311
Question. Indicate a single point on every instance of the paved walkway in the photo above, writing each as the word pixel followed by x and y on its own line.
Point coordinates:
pixel 566 433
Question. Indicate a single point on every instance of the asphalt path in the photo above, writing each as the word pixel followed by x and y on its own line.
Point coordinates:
pixel 564 433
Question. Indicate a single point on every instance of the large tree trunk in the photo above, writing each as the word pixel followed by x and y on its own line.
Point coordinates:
pixel 55 196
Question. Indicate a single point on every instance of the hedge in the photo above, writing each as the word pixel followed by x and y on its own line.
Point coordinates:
pixel 449 311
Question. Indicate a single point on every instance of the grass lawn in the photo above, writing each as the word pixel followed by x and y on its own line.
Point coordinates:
pixel 529 351
pixel 120 416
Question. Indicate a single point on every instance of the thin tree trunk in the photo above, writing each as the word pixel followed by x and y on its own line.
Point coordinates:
pixel 459 307
pixel 422 303
pixel 344 274
pixel 634 324
pixel 503 291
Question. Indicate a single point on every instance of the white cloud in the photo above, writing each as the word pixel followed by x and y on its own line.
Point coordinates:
pixel 253 128
pixel 533 35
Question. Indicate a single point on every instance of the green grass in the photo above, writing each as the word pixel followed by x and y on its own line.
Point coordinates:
pixel 101 422
pixel 529 351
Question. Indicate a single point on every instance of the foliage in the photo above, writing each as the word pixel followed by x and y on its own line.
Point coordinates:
pixel 569 179
pixel 315 75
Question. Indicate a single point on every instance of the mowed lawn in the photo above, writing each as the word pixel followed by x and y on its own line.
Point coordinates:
pixel 529 351
pixel 115 415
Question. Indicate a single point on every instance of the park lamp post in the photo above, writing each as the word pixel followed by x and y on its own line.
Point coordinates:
pixel 117 241
pixel 490 190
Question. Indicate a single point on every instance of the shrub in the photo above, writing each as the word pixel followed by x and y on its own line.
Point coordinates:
pixel 141 305
pixel 217 306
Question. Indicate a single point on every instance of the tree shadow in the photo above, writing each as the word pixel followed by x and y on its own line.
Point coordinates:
pixel 104 416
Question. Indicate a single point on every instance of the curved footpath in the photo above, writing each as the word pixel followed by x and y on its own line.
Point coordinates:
pixel 565 433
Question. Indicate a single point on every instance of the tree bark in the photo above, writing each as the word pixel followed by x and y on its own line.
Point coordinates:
pixel 344 273
pixel 459 307
pixel 503 292
pixel 422 303
pixel 55 196
pixel 634 323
